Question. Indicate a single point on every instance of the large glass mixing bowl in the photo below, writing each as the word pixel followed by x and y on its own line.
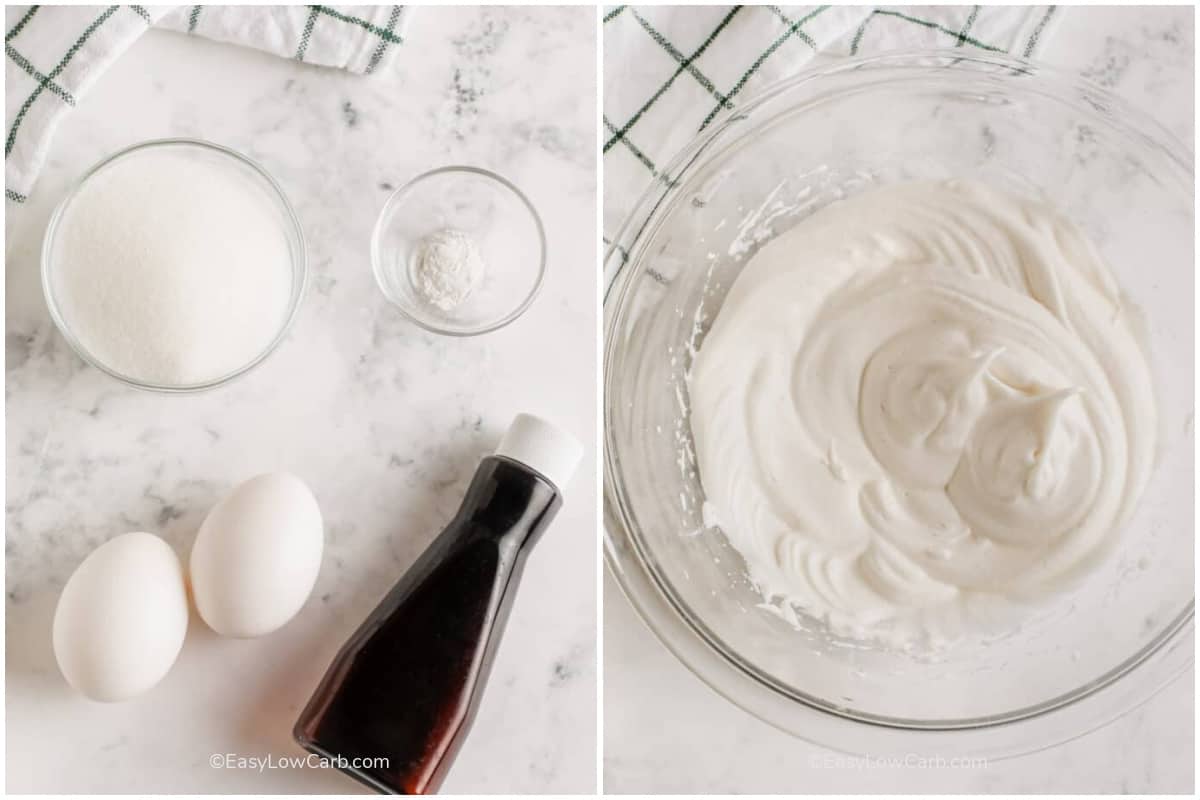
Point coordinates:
pixel 1102 648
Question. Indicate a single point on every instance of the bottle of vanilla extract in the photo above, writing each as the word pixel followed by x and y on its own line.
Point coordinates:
pixel 399 698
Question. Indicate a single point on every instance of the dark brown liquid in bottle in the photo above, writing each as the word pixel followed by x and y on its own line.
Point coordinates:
pixel 403 690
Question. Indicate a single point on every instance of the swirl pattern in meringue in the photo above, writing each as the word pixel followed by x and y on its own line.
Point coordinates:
pixel 920 404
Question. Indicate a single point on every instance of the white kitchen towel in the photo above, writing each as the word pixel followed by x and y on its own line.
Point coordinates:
pixel 54 53
pixel 355 38
pixel 671 71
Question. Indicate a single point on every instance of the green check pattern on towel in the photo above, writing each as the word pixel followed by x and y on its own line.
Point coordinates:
pixel 671 71
pixel 55 53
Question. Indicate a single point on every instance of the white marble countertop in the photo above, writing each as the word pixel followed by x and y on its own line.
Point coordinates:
pixel 667 732
pixel 384 421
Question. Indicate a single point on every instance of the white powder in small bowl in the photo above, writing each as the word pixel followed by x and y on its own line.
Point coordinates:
pixel 172 268
pixel 447 268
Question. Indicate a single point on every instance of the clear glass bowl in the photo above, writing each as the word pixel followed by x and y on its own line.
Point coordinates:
pixel 257 178
pixel 825 134
pixel 495 214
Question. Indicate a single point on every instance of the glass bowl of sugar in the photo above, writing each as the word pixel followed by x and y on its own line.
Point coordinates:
pixel 174 265
pixel 459 251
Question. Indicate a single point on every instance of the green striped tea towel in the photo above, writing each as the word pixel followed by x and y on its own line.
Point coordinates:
pixel 56 52
pixel 671 71
pixel 355 38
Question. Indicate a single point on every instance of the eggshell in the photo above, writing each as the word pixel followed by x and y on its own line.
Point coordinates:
pixel 122 618
pixel 257 555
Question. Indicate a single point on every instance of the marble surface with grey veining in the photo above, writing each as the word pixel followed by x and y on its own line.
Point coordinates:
pixel 666 731
pixel 384 421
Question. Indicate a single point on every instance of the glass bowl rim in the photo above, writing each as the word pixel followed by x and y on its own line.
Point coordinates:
pixel 1051 722
pixel 402 192
pixel 299 264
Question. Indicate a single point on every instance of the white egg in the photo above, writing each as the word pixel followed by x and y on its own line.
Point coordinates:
pixel 121 618
pixel 257 555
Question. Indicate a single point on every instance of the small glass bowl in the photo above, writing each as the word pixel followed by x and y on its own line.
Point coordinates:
pixel 495 214
pixel 256 175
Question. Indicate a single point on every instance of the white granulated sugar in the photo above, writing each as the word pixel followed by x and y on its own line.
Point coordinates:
pixel 448 267
pixel 173 269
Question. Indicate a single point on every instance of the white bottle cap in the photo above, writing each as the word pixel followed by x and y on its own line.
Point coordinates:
pixel 542 447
